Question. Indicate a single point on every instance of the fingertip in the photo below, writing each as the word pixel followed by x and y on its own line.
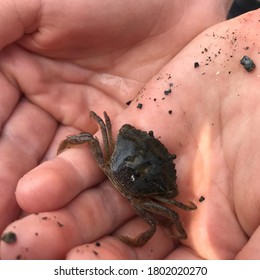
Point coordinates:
pixel 47 187
pixel 54 183
pixel 38 236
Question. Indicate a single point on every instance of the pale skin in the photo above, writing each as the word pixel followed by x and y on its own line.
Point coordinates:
pixel 47 93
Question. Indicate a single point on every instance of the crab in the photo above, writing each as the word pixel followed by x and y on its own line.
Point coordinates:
pixel 142 169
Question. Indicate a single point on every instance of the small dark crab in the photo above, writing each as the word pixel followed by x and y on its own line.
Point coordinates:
pixel 142 169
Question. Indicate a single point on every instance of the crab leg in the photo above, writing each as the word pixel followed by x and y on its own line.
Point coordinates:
pixel 142 238
pixel 74 140
pixel 167 213
pixel 176 203
pixel 104 131
pixel 81 138
pixel 84 137
pixel 109 133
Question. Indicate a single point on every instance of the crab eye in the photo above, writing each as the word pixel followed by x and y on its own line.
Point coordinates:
pixel 150 133
pixel 172 157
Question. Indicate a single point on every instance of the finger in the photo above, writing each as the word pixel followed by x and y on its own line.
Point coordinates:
pixel 110 247
pixel 94 213
pixel 56 182
pixel 183 253
pixel 106 248
pixel 251 250
pixel 17 18
pixel 60 81
pixel 8 99
pixel 18 155
pixel 8 207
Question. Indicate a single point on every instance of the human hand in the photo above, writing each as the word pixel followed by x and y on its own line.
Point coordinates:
pixel 215 134
pixel 63 77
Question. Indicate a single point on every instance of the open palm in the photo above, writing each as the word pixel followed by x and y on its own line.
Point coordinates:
pixel 209 120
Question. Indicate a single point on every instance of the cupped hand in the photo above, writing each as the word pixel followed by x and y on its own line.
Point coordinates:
pixel 210 112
